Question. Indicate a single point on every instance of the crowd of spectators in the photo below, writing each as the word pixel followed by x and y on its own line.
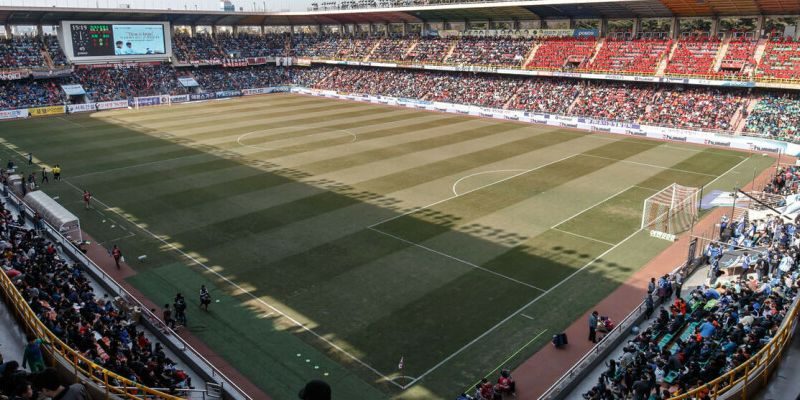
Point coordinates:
pixel 21 52
pixel 776 115
pixel 26 93
pixel 106 84
pixel 630 56
pixel 694 56
pixel 740 57
pixel 694 108
pixel 781 59
pixel 546 95
pixel 200 47
pixel 430 51
pixel 391 49
pixel 673 106
pixel 315 46
pixel 101 328
pixel 249 45
pixel 216 79
pixel 55 51
pixel 495 51
pixel 562 53
pixel 716 327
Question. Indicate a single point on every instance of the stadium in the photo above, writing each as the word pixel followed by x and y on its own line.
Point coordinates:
pixel 401 199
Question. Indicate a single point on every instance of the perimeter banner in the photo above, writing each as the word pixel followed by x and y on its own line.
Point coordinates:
pixel 11 114
pixel 43 111
pixel 110 105
pixel 73 108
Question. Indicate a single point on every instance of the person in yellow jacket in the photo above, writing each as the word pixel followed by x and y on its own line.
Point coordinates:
pixel 56 173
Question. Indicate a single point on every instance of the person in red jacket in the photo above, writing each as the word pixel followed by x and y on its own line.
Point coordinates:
pixel 87 198
pixel 505 384
pixel 487 389
pixel 117 254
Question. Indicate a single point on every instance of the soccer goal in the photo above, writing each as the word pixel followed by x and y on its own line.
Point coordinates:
pixel 672 210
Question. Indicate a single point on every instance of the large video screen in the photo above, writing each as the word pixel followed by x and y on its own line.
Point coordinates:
pixel 103 40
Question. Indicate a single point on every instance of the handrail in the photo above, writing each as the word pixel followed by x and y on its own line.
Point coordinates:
pixel 67 245
pixel 558 386
pixel 754 367
pixel 79 363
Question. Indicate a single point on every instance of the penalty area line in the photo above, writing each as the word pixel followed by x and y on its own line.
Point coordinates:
pixel 454 258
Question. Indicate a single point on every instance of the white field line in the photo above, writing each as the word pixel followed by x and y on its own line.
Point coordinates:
pixel 727 172
pixel 648 165
pixel 456 259
pixel 244 291
pixel 582 236
pixel 557 285
pixel 512 315
pixel 242 136
pixel 129 235
pixel 137 165
pixel 481 173
pixel 417 209
pixel 594 205
pixel 526 316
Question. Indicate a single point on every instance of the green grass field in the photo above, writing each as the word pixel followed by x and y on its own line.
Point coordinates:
pixel 339 237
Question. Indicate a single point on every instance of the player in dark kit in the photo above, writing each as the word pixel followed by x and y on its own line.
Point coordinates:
pixel 205 297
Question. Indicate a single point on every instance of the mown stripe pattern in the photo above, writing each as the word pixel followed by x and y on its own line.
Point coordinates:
pixel 319 208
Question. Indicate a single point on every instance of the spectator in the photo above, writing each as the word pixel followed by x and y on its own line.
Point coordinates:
pixel 315 390
pixel 50 385
pixel 33 357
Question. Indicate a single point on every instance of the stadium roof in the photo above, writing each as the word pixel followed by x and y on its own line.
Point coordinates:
pixel 498 11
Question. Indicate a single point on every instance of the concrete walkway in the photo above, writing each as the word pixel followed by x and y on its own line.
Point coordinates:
pixel 784 384
pixel 12 338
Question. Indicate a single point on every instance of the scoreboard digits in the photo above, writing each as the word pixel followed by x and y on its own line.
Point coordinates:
pixel 92 40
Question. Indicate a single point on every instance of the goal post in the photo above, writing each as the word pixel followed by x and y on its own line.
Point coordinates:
pixel 672 210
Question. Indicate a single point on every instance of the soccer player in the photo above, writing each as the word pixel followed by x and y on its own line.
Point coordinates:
pixel 57 173
pixel 205 297
pixel 44 175
pixel 180 309
pixel 117 254
pixel 87 198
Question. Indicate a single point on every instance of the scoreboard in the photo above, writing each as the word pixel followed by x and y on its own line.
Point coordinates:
pixel 92 40
pixel 108 40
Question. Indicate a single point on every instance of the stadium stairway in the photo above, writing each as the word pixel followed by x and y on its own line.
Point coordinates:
pixel 372 50
pixel 411 48
pixel 12 338
pixel 723 50
pixel 597 48
pixel 784 384
pixel 662 67
pixel 531 54
pixel 751 104
pixel 761 47
pixel 450 51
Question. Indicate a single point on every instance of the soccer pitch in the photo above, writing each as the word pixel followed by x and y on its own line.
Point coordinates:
pixel 340 237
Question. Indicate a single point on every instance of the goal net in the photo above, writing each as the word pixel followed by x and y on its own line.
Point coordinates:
pixel 672 210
